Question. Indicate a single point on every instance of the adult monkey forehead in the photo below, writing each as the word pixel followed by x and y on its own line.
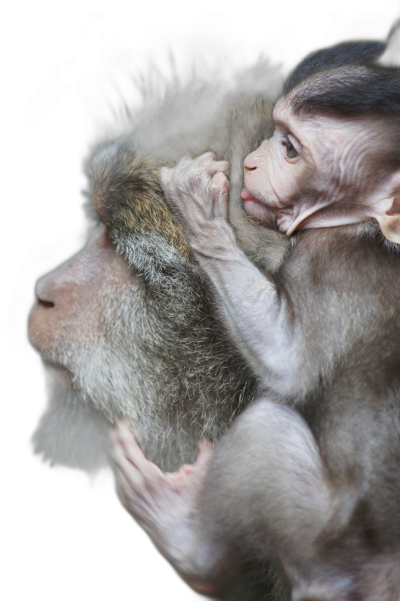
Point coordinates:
pixel 334 157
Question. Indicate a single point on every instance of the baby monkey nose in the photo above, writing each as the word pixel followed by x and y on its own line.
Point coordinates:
pixel 45 304
pixel 248 166
pixel 248 163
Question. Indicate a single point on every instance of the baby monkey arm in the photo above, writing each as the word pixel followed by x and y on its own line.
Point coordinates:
pixel 254 311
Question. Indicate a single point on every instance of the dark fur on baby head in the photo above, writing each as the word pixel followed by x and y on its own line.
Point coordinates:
pixel 352 81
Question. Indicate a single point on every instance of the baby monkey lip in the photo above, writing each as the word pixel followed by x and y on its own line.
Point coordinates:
pixel 245 194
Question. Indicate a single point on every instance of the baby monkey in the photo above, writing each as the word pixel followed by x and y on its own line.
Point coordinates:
pixel 308 476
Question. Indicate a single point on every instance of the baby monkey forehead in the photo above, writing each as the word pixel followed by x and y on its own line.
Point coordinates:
pixel 319 136
pixel 283 116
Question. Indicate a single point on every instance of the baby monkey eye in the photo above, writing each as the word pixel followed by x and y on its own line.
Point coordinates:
pixel 291 152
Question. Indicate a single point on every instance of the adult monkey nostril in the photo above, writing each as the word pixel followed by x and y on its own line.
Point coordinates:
pixel 46 304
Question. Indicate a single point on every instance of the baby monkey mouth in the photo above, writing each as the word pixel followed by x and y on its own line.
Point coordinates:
pixel 257 210
pixel 245 194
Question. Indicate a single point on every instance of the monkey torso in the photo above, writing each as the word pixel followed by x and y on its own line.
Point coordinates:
pixel 349 367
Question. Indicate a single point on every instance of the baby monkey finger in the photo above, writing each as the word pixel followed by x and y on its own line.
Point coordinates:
pixel 220 167
pixel 165 176
pixel 219 189
pixel 204 159
pixel 185 161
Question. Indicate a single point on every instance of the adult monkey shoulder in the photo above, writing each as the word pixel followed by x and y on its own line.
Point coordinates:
pixel 326 508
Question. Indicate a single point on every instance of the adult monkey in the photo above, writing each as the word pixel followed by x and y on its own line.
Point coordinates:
pixel 133 334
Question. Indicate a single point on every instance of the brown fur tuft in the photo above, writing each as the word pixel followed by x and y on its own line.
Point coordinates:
pixel 127 192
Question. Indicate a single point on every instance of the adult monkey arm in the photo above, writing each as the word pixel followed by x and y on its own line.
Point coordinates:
pixel 209 523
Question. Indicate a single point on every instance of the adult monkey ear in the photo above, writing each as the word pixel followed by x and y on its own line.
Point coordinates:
pixel 391 54
pixel 387 211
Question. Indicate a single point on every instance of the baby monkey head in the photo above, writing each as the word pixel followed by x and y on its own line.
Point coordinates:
pixel 334 157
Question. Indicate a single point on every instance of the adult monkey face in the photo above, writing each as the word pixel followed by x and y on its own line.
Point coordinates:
pixel 105 331
pixel 92 375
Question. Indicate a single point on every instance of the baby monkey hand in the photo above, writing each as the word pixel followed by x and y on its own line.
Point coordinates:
pixel 197 190
pixel 165 505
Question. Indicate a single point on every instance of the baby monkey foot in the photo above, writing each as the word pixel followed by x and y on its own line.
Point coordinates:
pixel 164 504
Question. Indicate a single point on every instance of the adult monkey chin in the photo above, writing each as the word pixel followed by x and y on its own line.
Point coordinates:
pixel 127 328
pixel 309 473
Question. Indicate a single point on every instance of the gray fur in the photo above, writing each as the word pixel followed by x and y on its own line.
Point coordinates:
pixel 306 478
pixel 309 472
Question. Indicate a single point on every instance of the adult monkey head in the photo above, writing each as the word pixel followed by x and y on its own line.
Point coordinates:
pixel 127 328
pixel 334 157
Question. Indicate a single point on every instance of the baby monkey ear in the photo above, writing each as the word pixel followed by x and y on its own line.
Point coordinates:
pixel 388 211
pixel 391 55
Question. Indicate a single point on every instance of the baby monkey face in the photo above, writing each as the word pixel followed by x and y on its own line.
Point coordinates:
pixel 273 175
pixel 303 174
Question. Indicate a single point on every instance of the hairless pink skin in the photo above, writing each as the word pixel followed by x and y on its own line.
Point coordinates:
pixel 311 188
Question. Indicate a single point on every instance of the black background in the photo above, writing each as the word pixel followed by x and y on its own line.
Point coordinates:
pixel 69 536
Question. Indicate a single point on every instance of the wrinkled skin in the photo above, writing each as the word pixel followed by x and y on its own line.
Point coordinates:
pixel 305 171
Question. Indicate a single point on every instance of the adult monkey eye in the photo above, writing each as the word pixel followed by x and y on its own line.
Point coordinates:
pixel 291 152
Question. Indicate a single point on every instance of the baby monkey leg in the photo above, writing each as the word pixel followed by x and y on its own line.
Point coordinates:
pixel 261 492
